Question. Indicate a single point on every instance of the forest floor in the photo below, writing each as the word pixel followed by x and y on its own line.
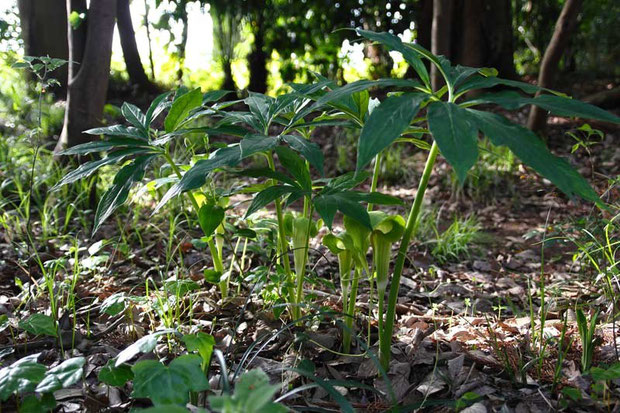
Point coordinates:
pixel 468 330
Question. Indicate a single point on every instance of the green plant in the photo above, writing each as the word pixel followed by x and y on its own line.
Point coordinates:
pixel 588 339
pixel 252 394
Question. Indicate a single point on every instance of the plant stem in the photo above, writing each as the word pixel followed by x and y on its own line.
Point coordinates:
pixel 217 259
pixel 302 272
pixel 375 177
pixel 388 327
pixel 283 243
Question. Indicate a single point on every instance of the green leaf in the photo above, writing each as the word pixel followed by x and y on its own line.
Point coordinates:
pixel 105 145
pixel 201 342
pixel 134 115
pixel 259 105
pixel 268 195
pixel 611 373
pixel 533 152
pixel 455 135
pixel 327 204
pixel 158 105
pixel 169 385
pixel 88 168
pixel 119 130
pixel 113 375
pixel 394 43
pixel 32 404
pixel 181 106
pixel 385 124
pixel 165 408
pixel 21 376
pixel 62 376
pixel 39 324
pixel 558 105
pixel 224 129
pixel 196 176
pixel 214 95
pixel 309 150
pixel 212 276
pixel 267 173
pixel 114 304
pixel 145 344
pixel 210 217
pixel 295 165
pixel 117 194
pixel 255 143
pixel 480 82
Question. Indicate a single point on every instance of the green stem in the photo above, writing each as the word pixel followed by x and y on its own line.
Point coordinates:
pixel 217 259
pixel 302 273
pixel 282 242
pixel 375 177
pixel 402 255
pixel 346 336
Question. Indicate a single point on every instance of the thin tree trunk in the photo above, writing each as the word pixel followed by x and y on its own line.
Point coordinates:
pixel 147 25
pixel 564 28
pixel 258 58
pixel 440 36
pixel 89 84
pixel 136 72
pixel 183 44
pixel 42 38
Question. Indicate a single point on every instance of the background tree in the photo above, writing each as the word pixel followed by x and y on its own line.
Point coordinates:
pixel 42 37
pixel 88 80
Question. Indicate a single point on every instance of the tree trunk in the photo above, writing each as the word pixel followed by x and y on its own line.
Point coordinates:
pixel 183 44
pixel 564 27
pixel 137 75
pixel 88 85
pixel 42 38
pixel 257 59
pixel 440 36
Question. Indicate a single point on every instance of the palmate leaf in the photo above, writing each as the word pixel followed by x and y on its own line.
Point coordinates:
pixel 455 135
pixel 385 124
pixel 558 105
pixel 394 43
pixel 119 130
pixel 181 107
pixel 533 152
pixel 117 194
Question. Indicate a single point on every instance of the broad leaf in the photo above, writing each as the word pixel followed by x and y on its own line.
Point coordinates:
pixel 385 124
pixel 119 130
pixel 309 150
pixel 533 152
pixel 327 204
pixel 105 145
pixel 259 105
pixel 117 194
pixel 455 135
pixel 295 165
pixel 394 43
pixel 134 115
pixel 181 106
pixel 62 376
pixel 196 176
pixel 171 384
pixel 255 143
pixel 202 343
pixel 158 105
pixel 114 304
pixel 143 345
pixel 21 376
pixel 39 324
pixel 268 195
pixel 115 376
pixel 210 217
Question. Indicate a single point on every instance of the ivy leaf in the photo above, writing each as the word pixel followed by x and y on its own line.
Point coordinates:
pixel 62 376
pixel 39 324
pixel 21 376
pixel 210 216
pixel 113 375
pixel 181 106
pixel 455 135
pixel 385 124
pixel 533 152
